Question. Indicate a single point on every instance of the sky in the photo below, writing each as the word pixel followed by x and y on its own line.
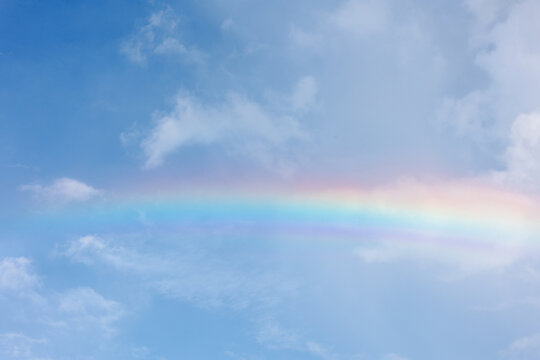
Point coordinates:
pixel 251 180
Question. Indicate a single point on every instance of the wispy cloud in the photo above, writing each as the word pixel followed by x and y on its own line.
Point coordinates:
pixel 527 347
pixel 392 356
pixel 275 337
pixel 19 346
pixel 191 276
pixel 358 17
pixel 16 275
pixel 62 190
pixel 245 127
pixel 76 308
pixel 54 315
pixel 159 36
pixel 83 307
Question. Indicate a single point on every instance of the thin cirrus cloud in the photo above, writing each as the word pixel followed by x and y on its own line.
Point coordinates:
pixel 52 316
pixel 15 345
pixel 275 337
pixel 245 127
pixel 361 17
pixel 527 347
pixel 16 275
pixel 191 276
pixel 62 190
pixel 338 258
pixel 80 307
pixel 159 36
pixel 83 307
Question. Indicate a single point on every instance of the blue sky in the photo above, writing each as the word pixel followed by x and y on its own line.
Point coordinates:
pixel 250 180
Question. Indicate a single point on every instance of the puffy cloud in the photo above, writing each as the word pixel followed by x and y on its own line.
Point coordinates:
pixel 506 47
pixel 243 126
pixel 522 157
pixel 63 190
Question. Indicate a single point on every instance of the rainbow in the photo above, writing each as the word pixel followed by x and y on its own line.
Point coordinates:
pixel 450 214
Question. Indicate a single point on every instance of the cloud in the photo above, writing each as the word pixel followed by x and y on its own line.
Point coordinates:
pixel 273 336
pixel 464 260
pixel 487 13
pixel 483 246
pixel 304 94
pixel 361 17
pixel 63 190
pixel 159 36
pixel 19 346
pixel 392 356
pixel 505 46
pixel 525 348
pixel 190 276
pixel 469 116
pixel 246 128
pixel 304 39
pixel 52 317
pixel 83 308
pixel 16 275
pixel 522 157
pixel 227 24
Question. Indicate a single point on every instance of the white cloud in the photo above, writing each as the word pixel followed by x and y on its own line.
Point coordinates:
pixel 83 307
pixel 525 348
pixel 506 47
pixel 159 36
pixel 191 276
pixel 141 352
pixel 83 249
pixel 275 337
pixel 380 254
pixel 483 246
pixel 19 346
pixel 227 24
pixel 522 157
pixel 361 17
pixel 51 317
pixel 16 275
pixel 244 127
pixel 304 39
pixel 392 356
pixel 63 190
pixel 304 94
pixel 468 116
pixel 464 260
